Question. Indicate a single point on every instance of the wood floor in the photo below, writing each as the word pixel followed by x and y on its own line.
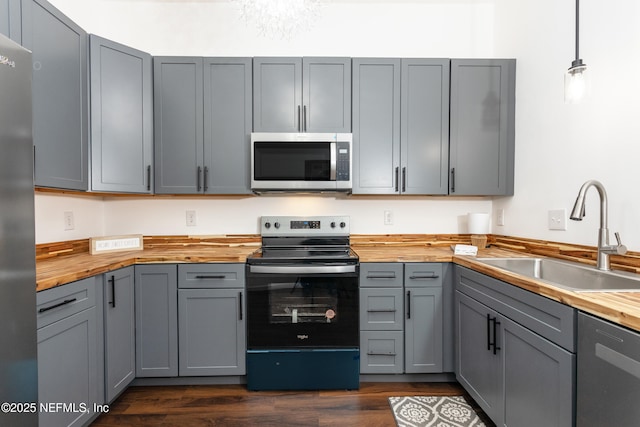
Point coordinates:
pixel 234 405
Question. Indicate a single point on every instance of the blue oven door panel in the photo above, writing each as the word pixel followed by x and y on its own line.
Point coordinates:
pixel 303 369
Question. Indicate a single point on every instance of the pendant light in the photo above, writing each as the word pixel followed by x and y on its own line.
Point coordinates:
pixel 576 77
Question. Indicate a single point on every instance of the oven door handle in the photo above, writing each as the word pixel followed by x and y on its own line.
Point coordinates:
pixel 302 269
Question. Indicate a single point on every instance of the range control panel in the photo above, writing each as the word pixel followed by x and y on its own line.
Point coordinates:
pixel 304 226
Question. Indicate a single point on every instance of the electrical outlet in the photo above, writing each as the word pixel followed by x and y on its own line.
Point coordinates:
pixel 388 218
pixel 557 219
pixel 191 219
pixel 500 217
pixel 69 222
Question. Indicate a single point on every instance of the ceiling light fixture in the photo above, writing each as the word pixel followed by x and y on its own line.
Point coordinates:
pixel 279 18
pixel 576 78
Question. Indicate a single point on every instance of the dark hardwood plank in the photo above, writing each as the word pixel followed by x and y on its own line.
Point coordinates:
pixel 234 405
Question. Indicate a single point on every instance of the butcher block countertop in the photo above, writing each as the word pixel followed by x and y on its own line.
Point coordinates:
pixel 65 262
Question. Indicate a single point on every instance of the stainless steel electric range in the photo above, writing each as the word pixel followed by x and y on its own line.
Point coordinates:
pixel 302 306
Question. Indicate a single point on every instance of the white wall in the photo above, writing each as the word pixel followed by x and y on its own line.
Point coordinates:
pixel 426 28
pixel 559 146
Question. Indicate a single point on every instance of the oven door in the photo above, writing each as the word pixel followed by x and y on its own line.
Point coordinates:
pixel 302 306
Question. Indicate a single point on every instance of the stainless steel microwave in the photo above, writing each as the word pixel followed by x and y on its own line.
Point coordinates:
pixel 301 162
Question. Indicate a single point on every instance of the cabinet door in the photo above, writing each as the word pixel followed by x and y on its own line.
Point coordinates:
pixel 60 100
pixel 227 125
pixel 477 368
pixel 67 368
pixel 423 330
pixel 121 118
pixel 11 20
pixel 381 352
pixel 178 129
pixel 326 94
pixel 538 379
pixel 424 119
pixel 482 127
pixel 212 332
pixel 277 94
pixel 156 296
pixel 120 339
pixel 376 126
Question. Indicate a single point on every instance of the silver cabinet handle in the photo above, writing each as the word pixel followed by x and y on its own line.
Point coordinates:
pixel 304 118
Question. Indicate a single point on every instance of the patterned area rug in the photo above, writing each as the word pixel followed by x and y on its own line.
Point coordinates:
pixel 436 411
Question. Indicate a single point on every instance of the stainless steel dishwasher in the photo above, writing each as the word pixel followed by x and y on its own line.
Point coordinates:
pixel 608 380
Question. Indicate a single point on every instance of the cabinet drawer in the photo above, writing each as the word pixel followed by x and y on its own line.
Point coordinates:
pixel 381 352
pixel 203 276
pixel 550 319
pixel 423 274
pixel 63 301
pixel 381 309
pixel 381 275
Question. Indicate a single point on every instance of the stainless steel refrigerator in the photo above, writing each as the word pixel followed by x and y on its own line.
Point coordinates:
pixel 18 342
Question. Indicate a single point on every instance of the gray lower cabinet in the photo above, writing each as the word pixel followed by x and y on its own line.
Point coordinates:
pixel 310 94
pixel 515 352
pixel 381 318
pixel 119 331
pixel 156 296
pixel 211 320
pixel 68 364
pixel 202 125
pixel 121 118
pixel 400 126
pixel 402 314
pixel 424 317
pixel 482 128
pixel 11 19
pixel 60 96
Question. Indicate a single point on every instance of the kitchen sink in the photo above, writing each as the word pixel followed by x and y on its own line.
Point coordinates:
pixel 568 275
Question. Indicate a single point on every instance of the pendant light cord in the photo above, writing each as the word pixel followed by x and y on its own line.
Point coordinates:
pixel 577 29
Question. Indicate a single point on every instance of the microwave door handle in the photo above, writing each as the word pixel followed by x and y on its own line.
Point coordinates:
pixel 332 172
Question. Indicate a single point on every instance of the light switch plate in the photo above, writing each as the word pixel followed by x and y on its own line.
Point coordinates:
pixel 557 219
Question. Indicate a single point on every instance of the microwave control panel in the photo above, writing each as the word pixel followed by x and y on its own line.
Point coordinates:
pixel 343 160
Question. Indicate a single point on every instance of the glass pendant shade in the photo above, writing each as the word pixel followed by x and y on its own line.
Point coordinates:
pixel 576 83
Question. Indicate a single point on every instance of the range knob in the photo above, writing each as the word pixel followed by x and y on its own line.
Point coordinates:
pixel 267 225
pixel 333 224
pixel 276 225
pixel 343 225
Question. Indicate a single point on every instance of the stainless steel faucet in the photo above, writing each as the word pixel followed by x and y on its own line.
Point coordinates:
pixel 604 248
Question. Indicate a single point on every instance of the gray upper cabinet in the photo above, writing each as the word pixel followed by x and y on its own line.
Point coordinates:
pixel 121 118
pixel 400 126
pixel 376 125
pixel 178 124
pixel 482 127
pixel 11 19
pixel 227 125
pixel 424 126
pixel 202 116
pixel 60 95
pixel 302 94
